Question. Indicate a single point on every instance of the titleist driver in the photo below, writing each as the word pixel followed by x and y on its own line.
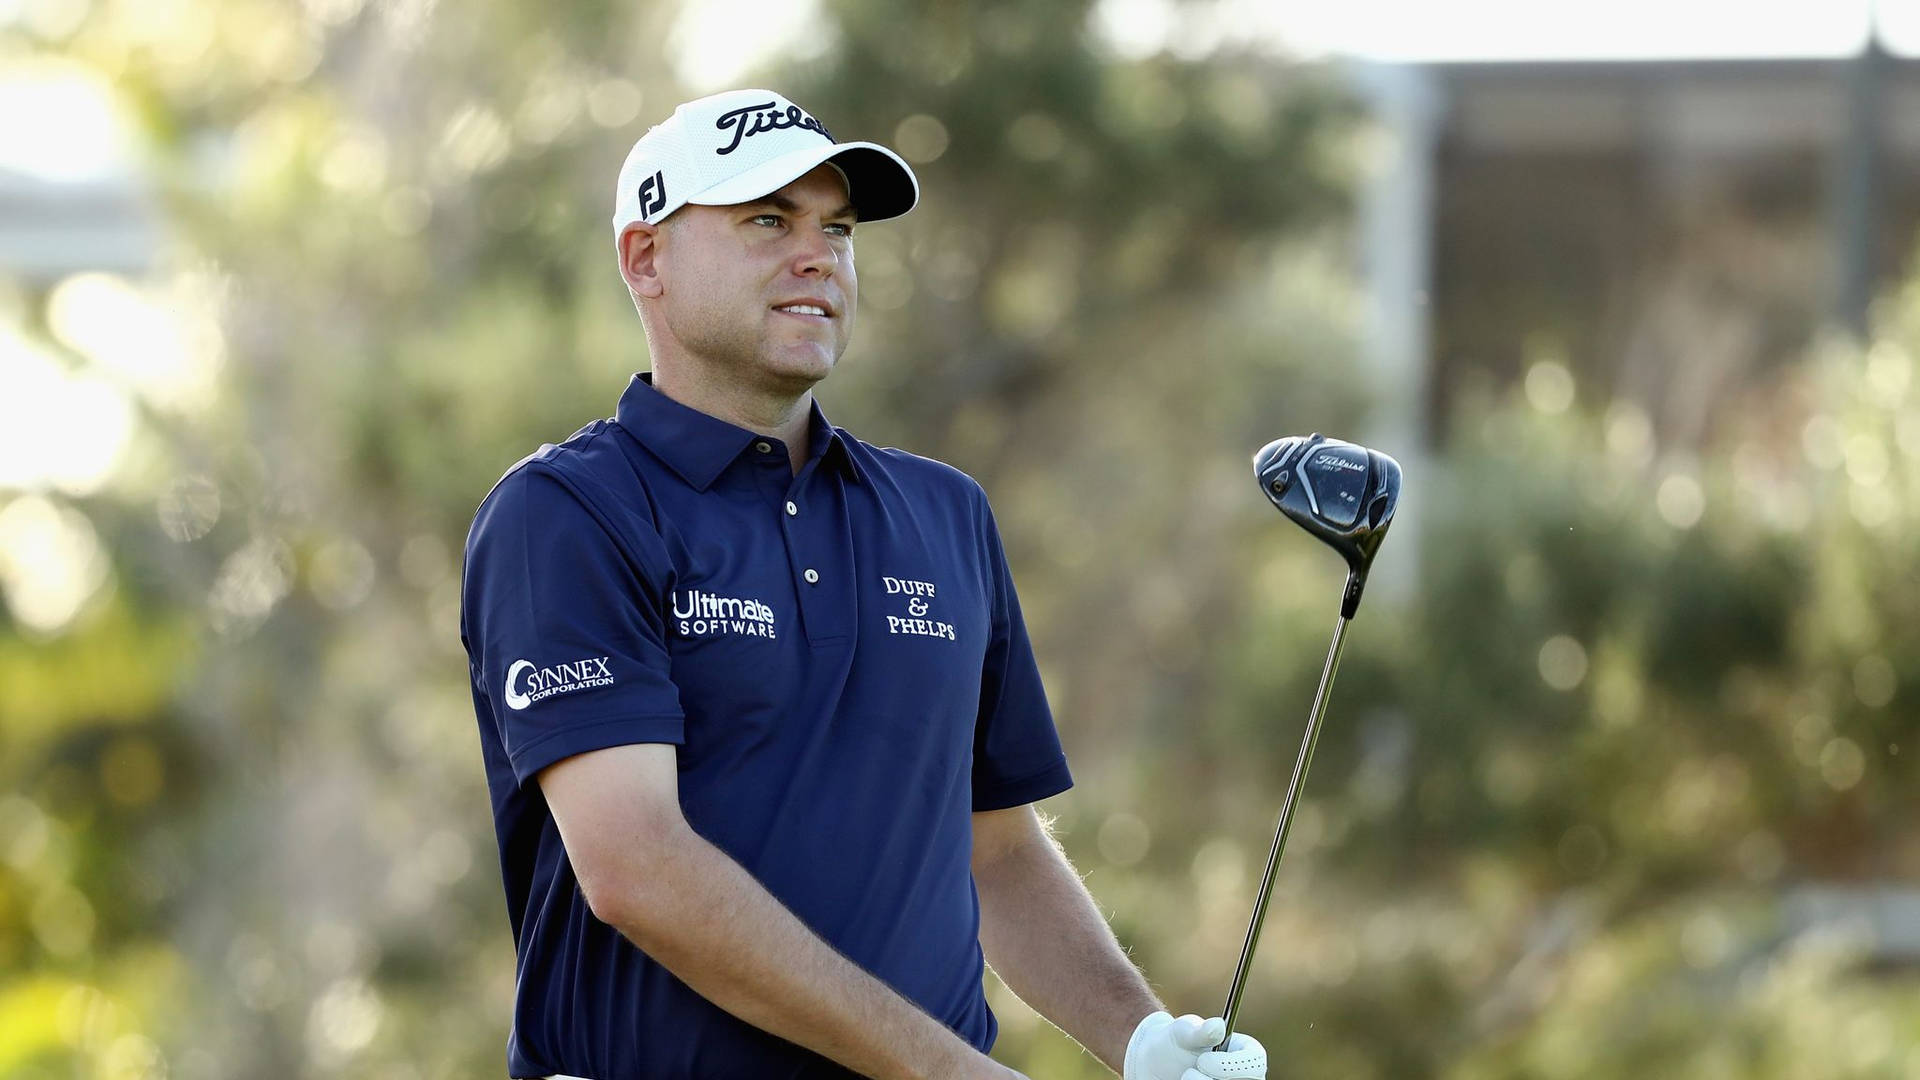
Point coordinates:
pixel 1345 496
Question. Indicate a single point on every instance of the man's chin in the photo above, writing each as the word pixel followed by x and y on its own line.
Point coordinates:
pixel 799 370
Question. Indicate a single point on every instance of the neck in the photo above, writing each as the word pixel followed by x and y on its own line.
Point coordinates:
pixel 775 413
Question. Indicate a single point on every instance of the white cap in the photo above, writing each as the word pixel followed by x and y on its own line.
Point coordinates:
pixel 736 146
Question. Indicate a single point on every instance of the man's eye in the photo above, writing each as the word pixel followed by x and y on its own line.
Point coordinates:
pixel 840 229
pixel 765 219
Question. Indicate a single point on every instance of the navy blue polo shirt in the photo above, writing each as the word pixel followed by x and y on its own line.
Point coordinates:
pixel 838 655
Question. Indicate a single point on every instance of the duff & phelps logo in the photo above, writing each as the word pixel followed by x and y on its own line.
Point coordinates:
pixel 918 593
pixel 702 614
pixel 527 684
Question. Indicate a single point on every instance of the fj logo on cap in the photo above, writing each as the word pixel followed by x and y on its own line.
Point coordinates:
pixel 753 119
pixel 653 195
pixel 527 684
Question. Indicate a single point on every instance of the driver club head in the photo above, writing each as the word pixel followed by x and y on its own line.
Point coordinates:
pixel 1342 493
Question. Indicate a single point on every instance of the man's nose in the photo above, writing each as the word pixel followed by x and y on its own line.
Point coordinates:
pixel 817 254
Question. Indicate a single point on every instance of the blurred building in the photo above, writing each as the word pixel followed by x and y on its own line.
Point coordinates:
pixel 1670 231
pixel 52 228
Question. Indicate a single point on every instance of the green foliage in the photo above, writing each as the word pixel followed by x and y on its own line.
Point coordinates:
pixel 1633 699
pixel 252 755
pixel 1639 705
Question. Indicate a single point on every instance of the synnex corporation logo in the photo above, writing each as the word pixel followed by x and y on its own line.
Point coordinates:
pixel 702 614
pixel 527 684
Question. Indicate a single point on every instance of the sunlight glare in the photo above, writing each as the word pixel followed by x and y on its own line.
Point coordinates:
pixel 1468 30
pixel 60 123
pixel 716 44
pixel 57 429
pixel 51 562
pixel 168 356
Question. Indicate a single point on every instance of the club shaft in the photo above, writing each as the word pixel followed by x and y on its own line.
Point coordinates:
pixel 1300 765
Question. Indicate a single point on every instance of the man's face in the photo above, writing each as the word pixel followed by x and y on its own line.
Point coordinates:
pixel 742 285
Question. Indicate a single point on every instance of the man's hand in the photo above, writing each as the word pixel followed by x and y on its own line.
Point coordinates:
pixel 1163 1048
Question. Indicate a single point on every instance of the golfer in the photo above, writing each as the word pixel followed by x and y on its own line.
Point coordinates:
pixel 762 726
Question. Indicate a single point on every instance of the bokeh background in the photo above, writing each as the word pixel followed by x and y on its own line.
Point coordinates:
pixel 1619 778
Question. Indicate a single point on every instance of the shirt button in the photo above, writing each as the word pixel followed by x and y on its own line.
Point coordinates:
pixel 812 576
pixel 792 509
pixel 764 447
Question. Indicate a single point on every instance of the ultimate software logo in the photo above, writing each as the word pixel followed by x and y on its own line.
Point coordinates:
pixel 703 614
pixel 527 684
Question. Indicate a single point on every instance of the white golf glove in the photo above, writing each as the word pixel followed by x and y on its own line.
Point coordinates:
pixel 1163 1048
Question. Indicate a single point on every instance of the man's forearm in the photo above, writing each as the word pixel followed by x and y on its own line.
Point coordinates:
pixel 1048 942
pixel 708 921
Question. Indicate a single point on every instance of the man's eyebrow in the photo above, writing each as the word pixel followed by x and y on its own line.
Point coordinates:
pixel 785 205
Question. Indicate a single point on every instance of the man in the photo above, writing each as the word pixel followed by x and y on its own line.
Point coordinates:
pixel 762 725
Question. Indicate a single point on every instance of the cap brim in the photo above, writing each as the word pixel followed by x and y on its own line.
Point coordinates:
pixel 880 185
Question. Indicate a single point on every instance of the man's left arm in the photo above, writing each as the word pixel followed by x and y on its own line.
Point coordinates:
pixel 1047 941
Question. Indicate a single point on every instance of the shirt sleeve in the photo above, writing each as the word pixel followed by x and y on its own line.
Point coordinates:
pixel 565 629
pixel 1016 750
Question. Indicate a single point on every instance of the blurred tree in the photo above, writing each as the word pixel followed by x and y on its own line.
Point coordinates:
pixel 1650 716
pixel 1636 701
pixel 255 771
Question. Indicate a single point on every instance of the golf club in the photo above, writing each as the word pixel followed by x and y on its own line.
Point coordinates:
pixel 1345 496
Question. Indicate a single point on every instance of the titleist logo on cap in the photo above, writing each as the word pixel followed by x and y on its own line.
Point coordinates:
pixel 764 117
pixel 702 154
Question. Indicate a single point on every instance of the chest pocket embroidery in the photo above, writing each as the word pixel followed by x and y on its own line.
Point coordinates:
pixel 700 614
pixel 912 608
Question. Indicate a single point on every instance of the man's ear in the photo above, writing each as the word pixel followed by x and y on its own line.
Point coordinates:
pixel 639 244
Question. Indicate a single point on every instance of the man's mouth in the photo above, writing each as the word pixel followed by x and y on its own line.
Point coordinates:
pixel 807 310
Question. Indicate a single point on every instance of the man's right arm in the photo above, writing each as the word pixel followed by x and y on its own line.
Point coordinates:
pixel 696 911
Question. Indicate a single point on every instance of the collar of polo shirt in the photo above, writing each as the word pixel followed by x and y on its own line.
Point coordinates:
pixel 700 447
